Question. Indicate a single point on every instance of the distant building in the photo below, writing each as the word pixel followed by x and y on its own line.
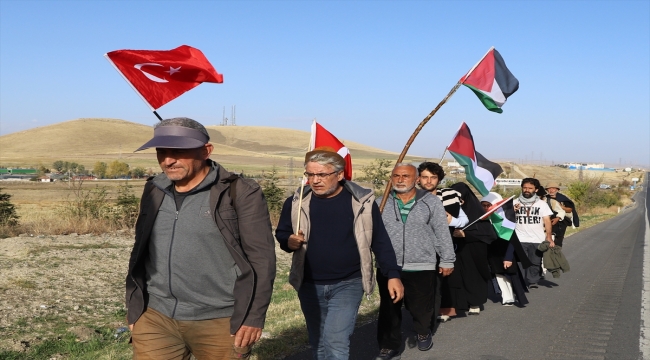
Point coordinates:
pixel 585 166
pixel 14 171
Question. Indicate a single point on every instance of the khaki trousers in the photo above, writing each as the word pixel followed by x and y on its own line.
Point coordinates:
pixel 158 337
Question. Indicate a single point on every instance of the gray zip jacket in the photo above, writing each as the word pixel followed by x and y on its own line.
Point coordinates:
pixel 424 233
pixel 246 233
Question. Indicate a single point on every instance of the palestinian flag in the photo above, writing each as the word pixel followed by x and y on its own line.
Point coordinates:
pixel 503 217
pixel 491 81
pixel 479 171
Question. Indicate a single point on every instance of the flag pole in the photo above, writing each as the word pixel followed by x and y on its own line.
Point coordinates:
pixel 443 154
pixel 302 189
pixel 412 138
pixel 312 142
pixel 132 87
pixel 490 213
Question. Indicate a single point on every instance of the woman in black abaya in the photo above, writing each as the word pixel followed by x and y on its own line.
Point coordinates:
pixel 503 256
pixel 471 255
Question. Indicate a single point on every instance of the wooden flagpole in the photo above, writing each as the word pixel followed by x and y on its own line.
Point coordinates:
pixel 312 142
pixel 302 189
pixel 443 154
pixel 412 138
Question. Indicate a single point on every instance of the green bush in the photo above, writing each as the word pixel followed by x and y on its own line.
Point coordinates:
pixel 8 215
pixel 125 213
pixel 588 195
pixel 377 173
pixel 273 194
pixel 92 204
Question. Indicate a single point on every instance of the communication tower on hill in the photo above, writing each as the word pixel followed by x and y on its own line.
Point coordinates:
pixel 224 119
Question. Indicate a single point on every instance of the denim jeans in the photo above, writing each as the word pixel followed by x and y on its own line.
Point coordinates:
pixel 330 312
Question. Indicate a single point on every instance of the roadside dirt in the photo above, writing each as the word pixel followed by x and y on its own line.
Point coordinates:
pixel 55 284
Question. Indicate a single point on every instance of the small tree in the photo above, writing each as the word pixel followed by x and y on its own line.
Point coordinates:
pixel 8 215
pixel 138 172
pixel 117 169
pixel 377 173
pixel 73 167
pixel 274 195
pixel 59 165
pixel 100 169
pixel 127 206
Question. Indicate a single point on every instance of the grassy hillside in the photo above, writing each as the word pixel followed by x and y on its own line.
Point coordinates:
pixel 86 141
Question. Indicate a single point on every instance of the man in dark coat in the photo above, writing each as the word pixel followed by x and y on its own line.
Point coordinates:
pixel 571 217
pixel 202 267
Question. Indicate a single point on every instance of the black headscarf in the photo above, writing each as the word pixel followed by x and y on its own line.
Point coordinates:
pixel 481 230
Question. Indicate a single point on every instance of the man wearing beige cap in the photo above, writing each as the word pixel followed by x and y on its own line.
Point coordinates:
pixel 560 225
pixel 202 267
pixel 340 225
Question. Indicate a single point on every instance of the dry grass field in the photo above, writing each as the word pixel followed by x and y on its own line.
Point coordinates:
pixel 62 298
pixel 565 176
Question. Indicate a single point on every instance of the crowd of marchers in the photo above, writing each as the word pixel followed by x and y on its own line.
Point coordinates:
pixel 201 272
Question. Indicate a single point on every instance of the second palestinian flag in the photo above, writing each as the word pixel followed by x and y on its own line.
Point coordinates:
pixel 479 171
pixel 501 214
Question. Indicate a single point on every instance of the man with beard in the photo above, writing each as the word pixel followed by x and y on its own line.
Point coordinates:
pixel 533 227
pixel 332 263
pixel 417 225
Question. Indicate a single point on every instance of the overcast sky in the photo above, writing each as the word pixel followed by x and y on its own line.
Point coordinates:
pixel 368 71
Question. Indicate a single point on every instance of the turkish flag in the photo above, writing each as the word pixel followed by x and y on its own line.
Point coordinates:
pixel 321 137
pixel 160 76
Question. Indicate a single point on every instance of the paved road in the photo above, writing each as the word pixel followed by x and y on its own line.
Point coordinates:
pixel 591 312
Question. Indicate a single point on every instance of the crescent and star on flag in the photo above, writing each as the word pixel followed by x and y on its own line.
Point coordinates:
pixel 172 70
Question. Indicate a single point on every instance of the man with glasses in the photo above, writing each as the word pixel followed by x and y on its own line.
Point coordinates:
pixel 417 225
pixel 332 267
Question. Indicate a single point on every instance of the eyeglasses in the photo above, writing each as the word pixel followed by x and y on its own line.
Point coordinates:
pixel 319 176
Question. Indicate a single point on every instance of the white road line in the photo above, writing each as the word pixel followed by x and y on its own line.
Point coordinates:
pixel 644 340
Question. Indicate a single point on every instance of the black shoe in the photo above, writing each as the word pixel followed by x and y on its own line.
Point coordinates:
pixel 533 286
pixel 425 342
pixel 388 354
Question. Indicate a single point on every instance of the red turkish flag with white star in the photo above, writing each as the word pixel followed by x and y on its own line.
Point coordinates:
pixel 160 76
pixel 321 137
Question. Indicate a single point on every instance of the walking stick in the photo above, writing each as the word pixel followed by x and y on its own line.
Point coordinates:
pixel 412 138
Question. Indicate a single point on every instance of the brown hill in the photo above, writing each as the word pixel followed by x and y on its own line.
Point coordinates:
pixel 86 141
